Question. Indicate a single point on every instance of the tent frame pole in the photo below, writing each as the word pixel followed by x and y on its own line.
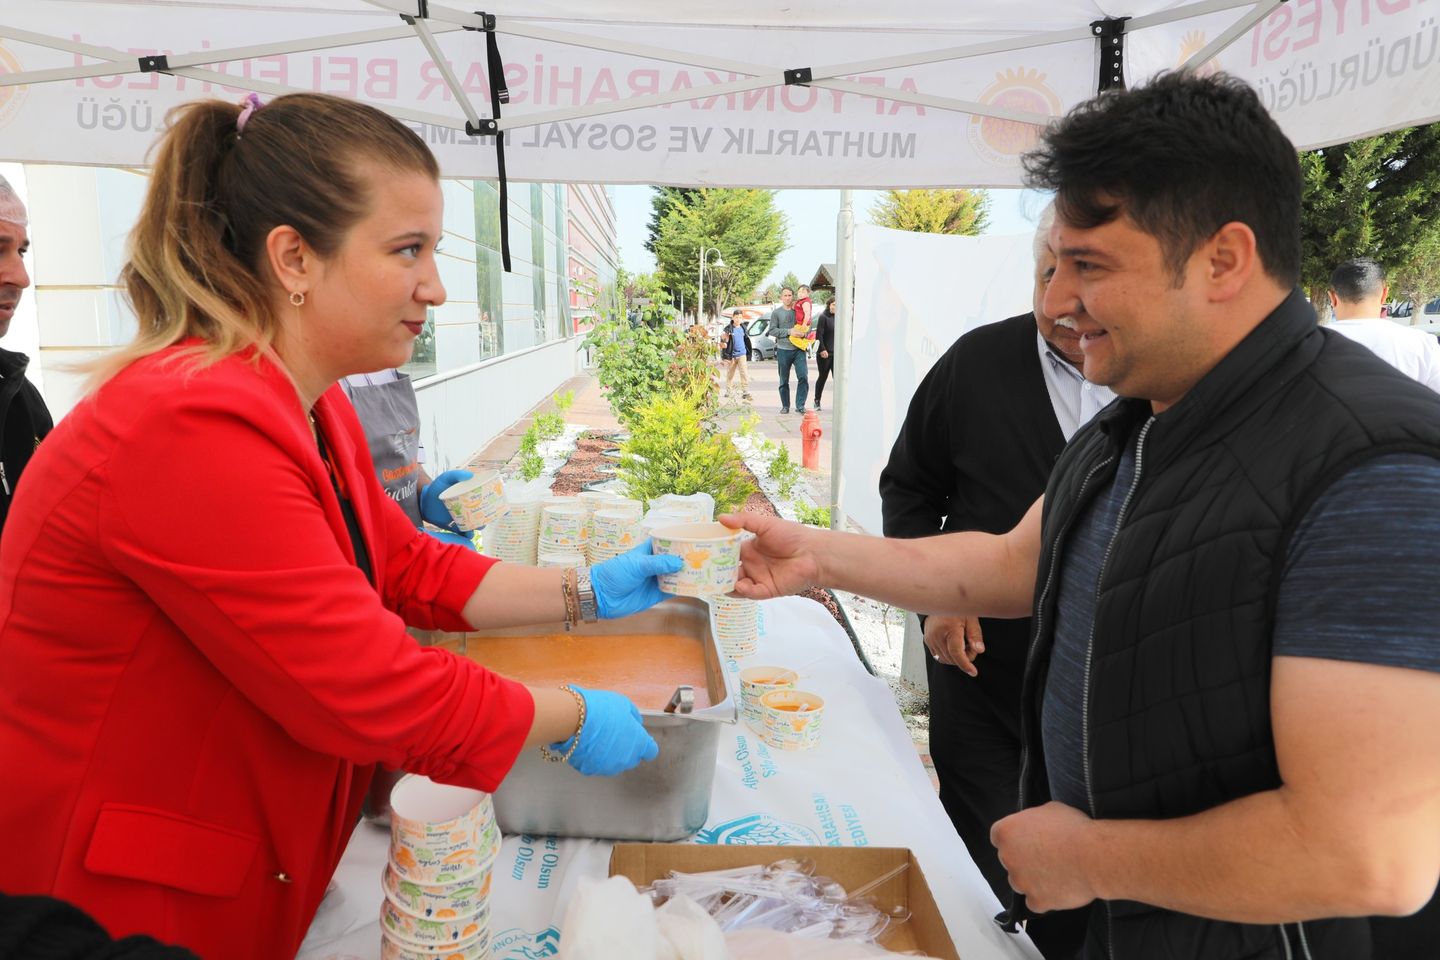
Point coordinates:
pixel 1204 55
pixel 450 21
pixel 844 313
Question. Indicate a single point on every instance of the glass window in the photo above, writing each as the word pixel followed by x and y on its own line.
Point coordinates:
pixel 422 358
pixel 537 260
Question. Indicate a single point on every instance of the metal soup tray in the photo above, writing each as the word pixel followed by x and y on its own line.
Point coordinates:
pixel 665 799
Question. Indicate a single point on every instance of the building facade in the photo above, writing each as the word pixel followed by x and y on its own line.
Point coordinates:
pixel 500 343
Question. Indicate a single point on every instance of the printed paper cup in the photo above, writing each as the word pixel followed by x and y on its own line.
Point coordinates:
pixel 477 502
pixel 755 682
pixel 439 901
pixel 393 948
pixel 439 833
pixel 563 526
pixel 415 932
pixel 711 555
pixel 793 719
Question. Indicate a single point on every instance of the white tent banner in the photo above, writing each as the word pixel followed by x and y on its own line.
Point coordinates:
pixel 718 111
pixel 915 294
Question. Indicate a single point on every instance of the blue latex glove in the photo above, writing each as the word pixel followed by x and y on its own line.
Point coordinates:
pixel 465 540
pixel 627 584
pixel 431 509
pixel 613 738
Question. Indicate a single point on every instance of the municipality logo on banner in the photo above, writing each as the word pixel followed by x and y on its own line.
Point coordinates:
pixel 11 98
pixel 759 828
pixel 1001 141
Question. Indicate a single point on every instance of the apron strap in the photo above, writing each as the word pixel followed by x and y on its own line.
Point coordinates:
pixel 347 510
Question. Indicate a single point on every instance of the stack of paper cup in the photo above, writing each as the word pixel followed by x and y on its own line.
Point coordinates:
pixel 443 842
pixel 737 625
pixel 612 532
pixel 562 529
pixel 513 536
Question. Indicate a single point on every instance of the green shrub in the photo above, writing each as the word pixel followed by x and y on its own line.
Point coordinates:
pixel 530 440
pixel 692 372
pixel 548 425
pixel 631 363
pixel 783 470
pixel 669 451
pixel 815 516
pixel 564 401
pixel 747 426
pixel 531 465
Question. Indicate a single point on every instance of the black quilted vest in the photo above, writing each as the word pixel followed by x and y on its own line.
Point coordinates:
pixel 1178 706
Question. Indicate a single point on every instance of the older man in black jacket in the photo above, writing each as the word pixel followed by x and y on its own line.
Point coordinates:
pixel 24 419
pixel 982 432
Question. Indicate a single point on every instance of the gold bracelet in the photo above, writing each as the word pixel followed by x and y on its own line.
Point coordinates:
pixel 551 755
pixel 567 591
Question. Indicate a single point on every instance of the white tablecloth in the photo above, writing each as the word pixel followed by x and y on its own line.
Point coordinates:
pixel 864 784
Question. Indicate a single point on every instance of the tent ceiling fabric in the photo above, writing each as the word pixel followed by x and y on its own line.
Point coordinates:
pixel 693 94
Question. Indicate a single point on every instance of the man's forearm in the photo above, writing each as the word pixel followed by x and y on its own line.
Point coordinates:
pixel 953 574
pixel 1259 859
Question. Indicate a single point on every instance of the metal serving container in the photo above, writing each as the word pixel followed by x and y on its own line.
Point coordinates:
pixel 665 799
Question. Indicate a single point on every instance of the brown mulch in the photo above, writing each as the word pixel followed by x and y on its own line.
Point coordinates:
pixel 584 463
pixel 580 469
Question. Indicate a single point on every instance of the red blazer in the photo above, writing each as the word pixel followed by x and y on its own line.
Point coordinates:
pixel 196 681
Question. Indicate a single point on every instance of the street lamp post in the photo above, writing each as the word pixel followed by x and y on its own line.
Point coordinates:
pixel 719 262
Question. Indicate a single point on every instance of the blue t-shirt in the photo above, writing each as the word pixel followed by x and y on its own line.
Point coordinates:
pixel 738 344
pixel 1358 584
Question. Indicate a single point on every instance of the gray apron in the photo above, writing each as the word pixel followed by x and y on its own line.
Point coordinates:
pixel 391 419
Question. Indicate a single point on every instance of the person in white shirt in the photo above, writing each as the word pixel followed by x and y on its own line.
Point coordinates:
pixel 1357 291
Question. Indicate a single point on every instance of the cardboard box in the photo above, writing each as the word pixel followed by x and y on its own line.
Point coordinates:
pixel 853 867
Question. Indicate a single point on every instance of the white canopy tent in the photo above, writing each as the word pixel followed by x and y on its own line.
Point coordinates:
pixel 925 93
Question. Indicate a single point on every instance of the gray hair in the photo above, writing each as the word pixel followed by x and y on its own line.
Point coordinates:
pixel 12 208
pixel 1042 230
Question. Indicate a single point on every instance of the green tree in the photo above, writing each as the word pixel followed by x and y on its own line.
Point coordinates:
pixel 631 363
pixel 743 225
pixel 770 294
pixel 664 200
pixel 1419 279
pixel 964 213
pixel 789 280
pixel 1375 197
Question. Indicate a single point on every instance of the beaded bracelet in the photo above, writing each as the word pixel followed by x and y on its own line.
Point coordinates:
pixel 551 755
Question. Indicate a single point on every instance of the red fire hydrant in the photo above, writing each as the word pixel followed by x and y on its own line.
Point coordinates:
pixel 810 440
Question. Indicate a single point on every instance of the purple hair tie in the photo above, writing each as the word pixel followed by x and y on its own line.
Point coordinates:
pixel 252 103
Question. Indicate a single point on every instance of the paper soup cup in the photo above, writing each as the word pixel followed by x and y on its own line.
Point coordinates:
pixel 711 555
pixel 755 682
pixel 416 932
pixel 792 719
pixel 476 502
pixel 393 948
pixel 438 901
pixel 439 831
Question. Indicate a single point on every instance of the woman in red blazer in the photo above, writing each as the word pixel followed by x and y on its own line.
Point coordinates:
pixel 203 588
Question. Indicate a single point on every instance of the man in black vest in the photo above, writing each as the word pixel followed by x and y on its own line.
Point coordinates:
pixel 1231 703
pixel 978 443
pixel 24 419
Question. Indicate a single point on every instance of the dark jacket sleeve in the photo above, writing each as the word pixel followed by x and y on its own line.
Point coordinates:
pixel 825 331
pixel 919 480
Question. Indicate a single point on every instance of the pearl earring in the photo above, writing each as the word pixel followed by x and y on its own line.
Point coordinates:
pixel 297 299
